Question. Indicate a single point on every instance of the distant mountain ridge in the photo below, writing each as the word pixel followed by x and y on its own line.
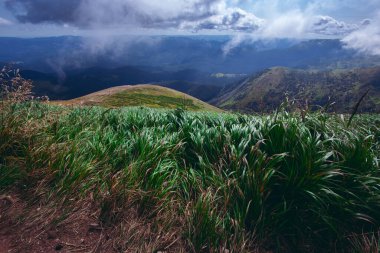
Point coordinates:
pixel 210 54
pixel 265 91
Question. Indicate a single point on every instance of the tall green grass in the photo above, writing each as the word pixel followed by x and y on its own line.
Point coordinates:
pixel 233 182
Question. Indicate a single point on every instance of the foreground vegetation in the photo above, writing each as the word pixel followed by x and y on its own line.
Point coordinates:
pixel 219 182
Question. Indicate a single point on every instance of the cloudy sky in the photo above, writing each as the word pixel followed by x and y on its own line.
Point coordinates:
pixel 350 20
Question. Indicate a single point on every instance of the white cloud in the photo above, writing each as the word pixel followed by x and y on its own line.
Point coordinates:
pixel 297 24
pixel 366 39
pixel 292 25
pixel 231 19
pixel 236 41
pixel 4 21
pixel 329 26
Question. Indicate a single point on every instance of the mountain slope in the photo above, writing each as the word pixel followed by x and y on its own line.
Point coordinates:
pixel 266 90
pixel 141 95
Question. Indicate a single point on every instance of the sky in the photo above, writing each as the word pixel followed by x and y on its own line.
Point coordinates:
pixel 353 21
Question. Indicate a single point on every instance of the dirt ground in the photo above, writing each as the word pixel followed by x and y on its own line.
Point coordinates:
pixel 22 229
pixel 33 227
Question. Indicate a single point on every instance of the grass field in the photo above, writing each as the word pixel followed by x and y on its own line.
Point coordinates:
pixel 201 182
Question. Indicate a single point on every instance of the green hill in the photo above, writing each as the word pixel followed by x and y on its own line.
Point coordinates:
pixel 266 91
pixel 141 95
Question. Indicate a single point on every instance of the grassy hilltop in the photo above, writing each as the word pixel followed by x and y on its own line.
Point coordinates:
pixel 148 180
pixel 141 95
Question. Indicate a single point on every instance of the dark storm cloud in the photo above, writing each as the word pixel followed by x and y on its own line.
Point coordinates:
pixel 89 13
pixel 189 14
pixel 38 11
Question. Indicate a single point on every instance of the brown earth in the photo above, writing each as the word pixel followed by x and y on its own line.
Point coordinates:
pixel 23 229
pixel 32 227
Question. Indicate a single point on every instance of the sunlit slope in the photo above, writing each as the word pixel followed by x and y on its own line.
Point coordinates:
pixel 141 95
pixel 265 91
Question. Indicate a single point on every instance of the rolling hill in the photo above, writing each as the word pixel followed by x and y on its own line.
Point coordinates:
pixel 141 95
pixel 266 90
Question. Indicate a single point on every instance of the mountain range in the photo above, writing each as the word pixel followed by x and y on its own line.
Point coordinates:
pixel 265 91
pixel 240 76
